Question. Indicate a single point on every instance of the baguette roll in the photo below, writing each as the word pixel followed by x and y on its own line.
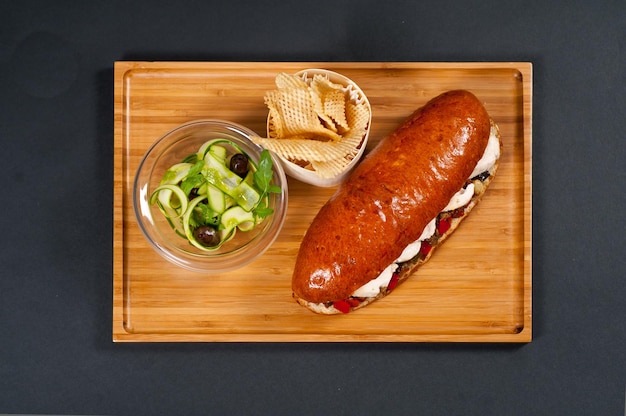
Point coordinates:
pixel 404 199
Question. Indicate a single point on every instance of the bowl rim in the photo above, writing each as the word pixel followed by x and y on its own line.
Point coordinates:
pixel 198 262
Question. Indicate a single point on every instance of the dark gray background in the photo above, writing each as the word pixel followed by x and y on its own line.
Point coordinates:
pixel 56 147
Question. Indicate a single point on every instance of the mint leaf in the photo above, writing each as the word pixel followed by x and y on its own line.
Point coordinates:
pixel 263 212
pixel 264 173
pixel 192 182
pixel 204 215
pixel 274 189
pixel 263 181
pixel 196 168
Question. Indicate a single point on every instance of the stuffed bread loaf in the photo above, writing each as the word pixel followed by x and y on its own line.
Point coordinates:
pixel 403 200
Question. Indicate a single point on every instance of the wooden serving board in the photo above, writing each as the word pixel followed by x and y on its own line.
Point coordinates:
pixel 476 288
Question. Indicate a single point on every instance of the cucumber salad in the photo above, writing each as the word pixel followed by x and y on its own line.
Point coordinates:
pixel 215 192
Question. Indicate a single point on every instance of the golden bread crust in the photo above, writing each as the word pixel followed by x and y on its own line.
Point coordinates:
pixel 390 197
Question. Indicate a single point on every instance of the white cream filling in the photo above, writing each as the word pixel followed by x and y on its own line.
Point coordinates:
pixel 372 288
pixel 491 154
pixel 412 249
pixel 461 198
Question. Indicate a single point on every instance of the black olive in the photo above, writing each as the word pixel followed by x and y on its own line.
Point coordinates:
pixel 481 176
pixel 207 236
pixel 239 164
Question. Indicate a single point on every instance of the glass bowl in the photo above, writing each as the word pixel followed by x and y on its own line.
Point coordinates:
pixel 172 148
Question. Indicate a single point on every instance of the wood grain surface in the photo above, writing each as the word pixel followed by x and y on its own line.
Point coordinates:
pixel 476 288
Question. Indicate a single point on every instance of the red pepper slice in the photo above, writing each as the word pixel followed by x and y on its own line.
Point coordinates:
pixel 425 248
pixel 342 306
pixel 393 282
pixel 443 225
pixel 354 302
pixel 345 305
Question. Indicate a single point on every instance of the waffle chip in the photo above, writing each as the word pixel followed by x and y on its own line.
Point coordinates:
pixel 286 81
pixel 357 116
pixel 315 122
pixel 333 100
pixel 310 150
pixel 331 168
pixel 293 114
pixel 335 108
